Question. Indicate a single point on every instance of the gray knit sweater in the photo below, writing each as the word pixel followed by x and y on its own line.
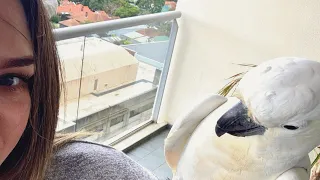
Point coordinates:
pixel 88 161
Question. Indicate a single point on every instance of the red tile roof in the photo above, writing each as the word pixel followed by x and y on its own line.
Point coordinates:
pixel 69 22
pixel 150 32
pixel 83 17
pixel 71 7
pixel 81 13
pixel 172 4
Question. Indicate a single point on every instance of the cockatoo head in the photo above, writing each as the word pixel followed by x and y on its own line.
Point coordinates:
pixel 281 95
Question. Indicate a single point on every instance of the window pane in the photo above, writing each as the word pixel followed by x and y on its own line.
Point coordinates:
pixel 71 60
pixel 119 73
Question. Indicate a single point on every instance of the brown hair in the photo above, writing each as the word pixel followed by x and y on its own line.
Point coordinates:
pixel 30 157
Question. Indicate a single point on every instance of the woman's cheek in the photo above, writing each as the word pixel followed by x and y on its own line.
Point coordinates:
pixel 14 114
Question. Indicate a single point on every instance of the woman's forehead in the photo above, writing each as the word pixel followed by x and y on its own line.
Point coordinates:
pixel 15 40
pixel 12 14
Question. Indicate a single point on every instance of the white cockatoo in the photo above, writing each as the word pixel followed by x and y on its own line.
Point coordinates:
pixel 265 133
pixel 51 7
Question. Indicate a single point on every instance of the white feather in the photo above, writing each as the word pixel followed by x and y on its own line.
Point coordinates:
pixel 185 125
pixel 294 174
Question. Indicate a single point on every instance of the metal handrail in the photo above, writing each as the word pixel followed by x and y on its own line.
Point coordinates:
pixel 102 27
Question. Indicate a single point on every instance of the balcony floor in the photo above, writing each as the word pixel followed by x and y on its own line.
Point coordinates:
pixel 150 154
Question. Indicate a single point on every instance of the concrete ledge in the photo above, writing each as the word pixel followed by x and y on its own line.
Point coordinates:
pixel 136 138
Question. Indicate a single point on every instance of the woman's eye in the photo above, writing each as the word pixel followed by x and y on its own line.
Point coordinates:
pixel 12 80
pixel 9 81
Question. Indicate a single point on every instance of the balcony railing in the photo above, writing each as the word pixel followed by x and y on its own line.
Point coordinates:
pixel 88 30
pixel 100 27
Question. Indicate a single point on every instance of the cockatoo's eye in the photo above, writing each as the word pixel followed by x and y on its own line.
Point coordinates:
pixel 289 127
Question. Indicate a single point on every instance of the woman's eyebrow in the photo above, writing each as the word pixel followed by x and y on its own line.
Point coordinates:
pixel 17 62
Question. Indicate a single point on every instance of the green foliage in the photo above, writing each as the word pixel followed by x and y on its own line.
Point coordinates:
pixel 111 6
pixel 123 42
pixel 55 19
pixel 94 5
pixel 150 6
pixel 127 11
pixel 123 8
pixel 54 25
pixel 86 22
pixel 164 27
pixel 126 42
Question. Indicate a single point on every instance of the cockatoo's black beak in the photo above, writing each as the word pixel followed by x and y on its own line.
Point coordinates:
pixel 237 123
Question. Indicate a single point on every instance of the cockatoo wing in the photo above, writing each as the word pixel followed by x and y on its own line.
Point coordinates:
pixel 51 7
pixel 300 172
pixel 185 125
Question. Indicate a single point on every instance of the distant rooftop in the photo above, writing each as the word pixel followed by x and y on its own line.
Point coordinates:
pixel 135 36
pixel 172 5
pixel 99 56
pixel 81 13
pixel 69 22
pixel 91 104
pixel 151 32
pixel 154 50
pixel 123 31
pixel 71 7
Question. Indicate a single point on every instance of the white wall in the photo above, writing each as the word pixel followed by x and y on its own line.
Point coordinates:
pixel 214 34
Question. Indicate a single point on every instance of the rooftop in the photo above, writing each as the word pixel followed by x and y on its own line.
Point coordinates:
pixel 99 56
pixel 148 50
pixel 140 38
pixel 71 7
pixel 91 104
pixel 151 32
pixel 85 17
pixel 81 13
pixel 172 5
pixel 69 22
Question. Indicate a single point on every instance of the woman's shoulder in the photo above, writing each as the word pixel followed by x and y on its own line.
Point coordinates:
pixel 86 160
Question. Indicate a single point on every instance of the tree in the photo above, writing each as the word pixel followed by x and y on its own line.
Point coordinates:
pixel 96 5
pixel 112 5
pixel 164 27
pixel 150 6
pixel 121 8
pixel 127 10
pixel 92 4
pixel 55 19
